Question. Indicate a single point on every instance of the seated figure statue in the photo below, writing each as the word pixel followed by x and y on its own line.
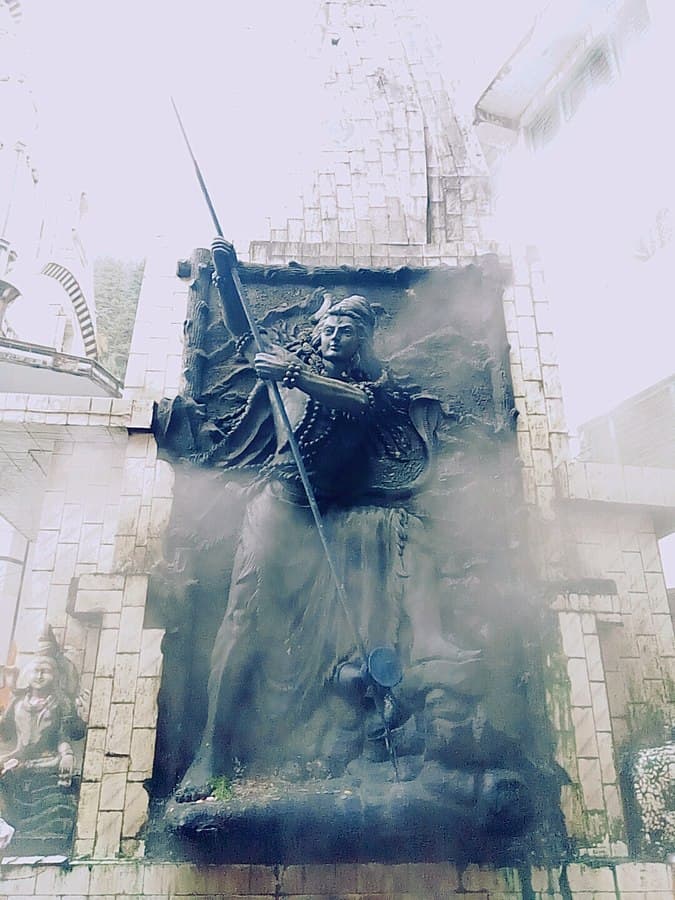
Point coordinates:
pixel 290 686
pixel 37 762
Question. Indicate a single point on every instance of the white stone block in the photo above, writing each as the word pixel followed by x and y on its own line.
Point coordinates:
pixel 99 708
pixel 590 879
pixel 54 881
pixel 111 620
pixel 663 629
pixel 83 849
pixel 141 414
pixel 92 767
pixel 106 557
pixel 135 590
pixel 591 784
pixel 64 565
pixel 44 554
pixel 648 877
pixel 614 808
pixel 112 791
pixel 535 403
pixel 160 879
pixel 135 809
pixel 90 542
pixel 633 567
pixel 87 811
pixel 658 596
pixel 529 359
pixel 577 480
pixel 115 765
pixel 527 332
pixel 600 706
pixel 142 752
pixel 137 445
pixel 523 299
pixel 129 510
pixel 525 447
pixel 606 756
pixel 101 582
pixel 596 671
pixel 151 658
pixel 118 739
pixel 97 602
pixel 132 478
pixel 164 479
pixel 124 552
pixel 517 379
pixel 124 681
pixel 547 351
pixel 572 634
pixel 142 526
pixel 145 710
pixel 556 415
pixel 93 507
pixel 131 629
pixel 649 550
pixel 543 468
pixel 21 882
pixel 584 732
pixel 580 694
pixel 490 879
pixel 589 623
pixel 160 514
pixel 538 427
pixel 649 657
pixel 52 510
pixel 108 833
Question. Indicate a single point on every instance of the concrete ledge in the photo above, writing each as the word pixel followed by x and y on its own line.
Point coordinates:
pixel 59 411
pixel 35 877
pixel 610 483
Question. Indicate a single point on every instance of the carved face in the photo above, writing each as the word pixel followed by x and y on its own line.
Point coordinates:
pixel 339 339
pixel 41 676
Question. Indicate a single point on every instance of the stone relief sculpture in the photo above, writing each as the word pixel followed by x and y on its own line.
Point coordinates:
pixel 37 761
pixel 373 694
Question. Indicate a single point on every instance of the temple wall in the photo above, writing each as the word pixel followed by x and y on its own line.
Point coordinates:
pixel 105 502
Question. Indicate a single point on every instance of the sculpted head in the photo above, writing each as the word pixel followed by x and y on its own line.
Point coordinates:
pixel 344 333
pixel 39 676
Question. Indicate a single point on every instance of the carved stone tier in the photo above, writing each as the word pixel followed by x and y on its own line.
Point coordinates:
pixel 442 814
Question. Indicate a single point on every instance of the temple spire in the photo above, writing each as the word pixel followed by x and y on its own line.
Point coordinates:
pixel 395 165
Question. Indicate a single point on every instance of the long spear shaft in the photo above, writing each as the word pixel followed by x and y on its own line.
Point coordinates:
pixel 278 403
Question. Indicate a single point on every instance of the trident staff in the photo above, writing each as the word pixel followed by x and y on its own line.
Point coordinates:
pixel 381 666
pixel 277 401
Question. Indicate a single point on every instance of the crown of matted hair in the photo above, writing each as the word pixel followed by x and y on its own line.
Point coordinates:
pixel 354 307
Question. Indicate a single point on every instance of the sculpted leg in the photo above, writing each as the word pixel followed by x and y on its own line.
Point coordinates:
pixel 231 658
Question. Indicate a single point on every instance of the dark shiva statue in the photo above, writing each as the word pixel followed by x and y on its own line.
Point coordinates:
pixel 341 705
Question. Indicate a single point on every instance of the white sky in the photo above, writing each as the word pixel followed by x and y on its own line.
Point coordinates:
pixel 103 72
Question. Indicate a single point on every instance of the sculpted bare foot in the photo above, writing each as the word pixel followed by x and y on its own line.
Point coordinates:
pixel 435 646
pixel 197 784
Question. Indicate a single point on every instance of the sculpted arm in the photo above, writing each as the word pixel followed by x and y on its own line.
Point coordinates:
pixel 224 259
pixel 274 364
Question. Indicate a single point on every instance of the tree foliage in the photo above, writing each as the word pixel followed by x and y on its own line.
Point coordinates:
pixel 117 284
